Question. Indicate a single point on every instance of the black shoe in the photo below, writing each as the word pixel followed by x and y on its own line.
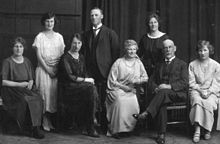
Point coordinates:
pixel 37 133
pixel 135 116
pixel 161 139
pixel 116 136
pixel 141 116
pixel 93 133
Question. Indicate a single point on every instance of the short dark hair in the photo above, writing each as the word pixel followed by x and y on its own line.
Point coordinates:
pixel 202 43
pixel 76 35
pixel 18 40
pixel 150 16
pixel 97 9
pixel 48 15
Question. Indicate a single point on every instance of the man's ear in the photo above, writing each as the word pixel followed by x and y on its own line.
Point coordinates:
pixel 174 48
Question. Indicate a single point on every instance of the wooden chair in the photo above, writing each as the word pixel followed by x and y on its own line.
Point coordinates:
pixel 4 117
pixel 178 113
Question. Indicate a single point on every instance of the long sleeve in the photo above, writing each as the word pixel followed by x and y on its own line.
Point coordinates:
pixel 68 70
pixel 192 80
pixel 215 86
pixel 112 77
pixel 143 73
pixel 115 48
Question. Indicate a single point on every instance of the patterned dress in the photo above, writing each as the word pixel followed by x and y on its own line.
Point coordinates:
pixel 206 79
pixel 119 103
pixel 51 50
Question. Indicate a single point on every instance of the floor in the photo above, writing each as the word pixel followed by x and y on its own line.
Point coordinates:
pixel 173 136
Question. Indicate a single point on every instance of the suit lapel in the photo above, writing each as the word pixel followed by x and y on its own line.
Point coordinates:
pixel 161 70
pixel 173 64
pixel 90 38
pixel 100 34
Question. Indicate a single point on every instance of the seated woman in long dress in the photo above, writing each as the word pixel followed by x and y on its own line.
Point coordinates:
pixel 204 76
pixel 121 101
pixel 18 93
pixel 72 74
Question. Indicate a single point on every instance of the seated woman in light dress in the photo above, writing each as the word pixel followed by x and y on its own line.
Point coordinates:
pixel 121 101
pixel 20 98
pixel 204 83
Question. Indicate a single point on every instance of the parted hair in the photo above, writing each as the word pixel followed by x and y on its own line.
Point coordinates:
pixel 48 15
pixel 202 43
pixel 129 43
pixel 150 16
pixel 97 9
pixel 18 40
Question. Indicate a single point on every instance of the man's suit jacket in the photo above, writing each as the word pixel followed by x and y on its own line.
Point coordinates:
pixel 178 77
pixel 107 49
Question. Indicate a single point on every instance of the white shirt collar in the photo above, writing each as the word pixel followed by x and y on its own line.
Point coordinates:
pixel 170 60
pixel 98 26
pixel 155 37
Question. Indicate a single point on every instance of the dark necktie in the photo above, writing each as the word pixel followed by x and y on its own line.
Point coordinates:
pixel 167 62
pixel 95 31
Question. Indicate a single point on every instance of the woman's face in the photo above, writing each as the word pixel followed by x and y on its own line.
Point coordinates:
pixel 203 53
pixel 153 24
pixel 18 49
pixel 76 45
pixel 131 51
pixel 49 23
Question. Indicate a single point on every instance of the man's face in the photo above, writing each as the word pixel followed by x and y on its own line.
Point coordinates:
pixel 169 49
pixel 96 17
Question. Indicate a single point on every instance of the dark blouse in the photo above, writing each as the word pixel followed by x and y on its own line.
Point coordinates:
pixel 150 51
pixel 17 99
pixel 71 68
pixel 18 72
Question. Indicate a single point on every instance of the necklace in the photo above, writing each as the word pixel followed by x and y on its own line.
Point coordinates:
pixel 18 60
pixel 74 55
pixel 130 63
pixel 204 66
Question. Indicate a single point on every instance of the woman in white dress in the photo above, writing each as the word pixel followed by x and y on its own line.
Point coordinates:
pixel 49 46
pixel 121 101
pixel 204 84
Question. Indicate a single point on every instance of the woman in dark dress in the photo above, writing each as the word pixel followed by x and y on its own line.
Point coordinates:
pixel 72 74
pixel 20 99
pixel 150 45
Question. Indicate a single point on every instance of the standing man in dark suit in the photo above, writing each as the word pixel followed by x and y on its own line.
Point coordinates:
pixel 101 49
pixel 169 84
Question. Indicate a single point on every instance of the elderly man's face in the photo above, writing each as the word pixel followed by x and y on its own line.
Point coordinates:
pixel 96 17
pixel 169 49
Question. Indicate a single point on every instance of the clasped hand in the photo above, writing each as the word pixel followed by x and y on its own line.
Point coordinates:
pixel 27 85
pixel 204 93
pixel 52 71
pixel 162 86
pixel 128 88
pixel 90 80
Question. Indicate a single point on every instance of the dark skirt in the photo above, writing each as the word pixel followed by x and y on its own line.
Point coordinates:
pixel 82 100
pixel 18 101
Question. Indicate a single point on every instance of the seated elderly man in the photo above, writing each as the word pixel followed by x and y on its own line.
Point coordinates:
pixel 169 84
